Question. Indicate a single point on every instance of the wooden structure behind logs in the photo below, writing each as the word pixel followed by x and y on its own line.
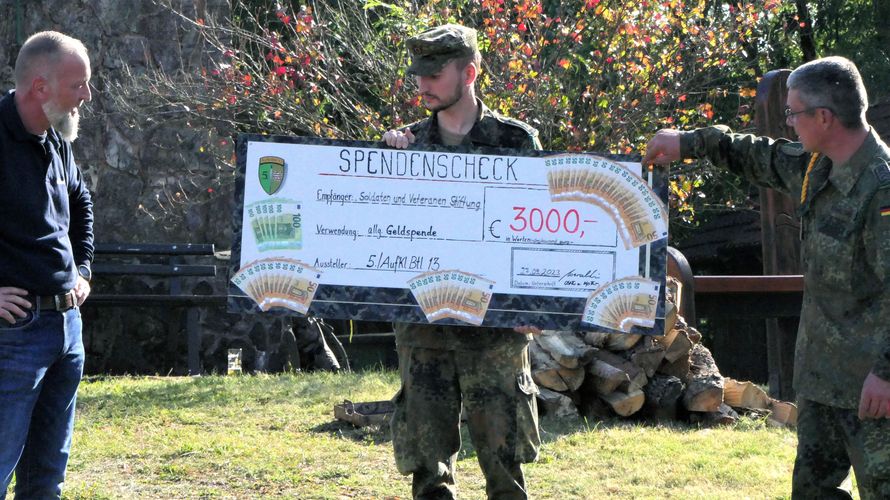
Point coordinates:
pixel 780 230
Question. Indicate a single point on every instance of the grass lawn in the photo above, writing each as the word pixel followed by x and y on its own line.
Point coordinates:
pixel 275 437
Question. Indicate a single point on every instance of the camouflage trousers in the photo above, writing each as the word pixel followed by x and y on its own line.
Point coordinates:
pixel 494 385
pixel 829 441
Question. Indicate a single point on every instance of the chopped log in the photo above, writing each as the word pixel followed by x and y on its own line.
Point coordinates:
pixel 625 403
pixel 605 377
pixel 724 415
pixel 680 346
pixel 592 407
pixel 602 378
pixel 558 379
pixel 782 413
pixel 548 373
pixel 693 334
pixel 595 338
pixel 538 356
pixel 668 338
pixel 556 404
pixel 674 296
pixel 681 323
pixel 678 368
pixel 670 316
pixel 648 355
pixel 636 375
pixel 744 394
pixel 565 347
pixel 563 380
pixel 662 393
pixel 704 386
pixel 671 309
pixel 621 341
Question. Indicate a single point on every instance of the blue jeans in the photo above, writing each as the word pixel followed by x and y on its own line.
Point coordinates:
pixel 41 363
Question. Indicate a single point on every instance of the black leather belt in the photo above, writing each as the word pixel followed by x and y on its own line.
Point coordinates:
pixel 61 302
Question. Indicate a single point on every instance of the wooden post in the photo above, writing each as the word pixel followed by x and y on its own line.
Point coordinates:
pixel 780 230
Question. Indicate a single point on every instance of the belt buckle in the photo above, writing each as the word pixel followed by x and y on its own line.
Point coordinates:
pixel 57 302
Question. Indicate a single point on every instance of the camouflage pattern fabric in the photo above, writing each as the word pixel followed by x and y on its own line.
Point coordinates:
pixel 491 129
pixel 484 369
pixel 495 387
pixel 830 440
pixel 461 338
pixel 436 47
pixel 844 328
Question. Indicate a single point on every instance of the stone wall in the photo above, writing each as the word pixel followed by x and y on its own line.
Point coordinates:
pixel 151 177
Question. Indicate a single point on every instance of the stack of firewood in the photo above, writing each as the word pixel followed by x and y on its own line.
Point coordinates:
pixel 599 374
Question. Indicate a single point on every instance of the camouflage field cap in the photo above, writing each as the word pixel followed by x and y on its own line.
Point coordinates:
pixel 432 49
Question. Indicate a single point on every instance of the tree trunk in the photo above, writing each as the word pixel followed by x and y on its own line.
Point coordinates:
pixel 807 40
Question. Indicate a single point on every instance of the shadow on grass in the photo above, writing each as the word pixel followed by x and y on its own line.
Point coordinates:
pixel 552 429
pixel 144 396
pixel 139 397
pixel 376 434
pixel 139 400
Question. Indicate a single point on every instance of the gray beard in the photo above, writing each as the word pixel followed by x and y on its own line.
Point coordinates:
pixel 64 123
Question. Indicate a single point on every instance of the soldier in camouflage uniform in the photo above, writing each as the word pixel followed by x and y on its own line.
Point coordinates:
pixel 839 171
pixel 485 370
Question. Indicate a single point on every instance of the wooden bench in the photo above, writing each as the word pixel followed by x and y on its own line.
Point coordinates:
pixel 758 297
pixel 753 297
pixel 776 299
pixel 168 263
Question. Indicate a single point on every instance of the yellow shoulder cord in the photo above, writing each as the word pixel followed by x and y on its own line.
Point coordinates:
pixel 806 178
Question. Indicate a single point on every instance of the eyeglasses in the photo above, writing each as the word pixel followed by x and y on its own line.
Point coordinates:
pixel 789 113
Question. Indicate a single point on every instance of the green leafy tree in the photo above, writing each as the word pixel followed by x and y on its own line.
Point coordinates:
pixel 591 75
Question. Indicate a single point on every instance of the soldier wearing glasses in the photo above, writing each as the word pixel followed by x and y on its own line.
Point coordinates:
pixel 839 172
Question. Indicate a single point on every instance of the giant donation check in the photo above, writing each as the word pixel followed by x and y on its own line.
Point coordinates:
pixel 455 236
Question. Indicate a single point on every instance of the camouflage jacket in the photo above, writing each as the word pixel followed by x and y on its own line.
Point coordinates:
pixel 492 130
pixel 845 244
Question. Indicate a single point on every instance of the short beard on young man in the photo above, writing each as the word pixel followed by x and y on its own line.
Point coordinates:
pixel 63 122
pixel 451 100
